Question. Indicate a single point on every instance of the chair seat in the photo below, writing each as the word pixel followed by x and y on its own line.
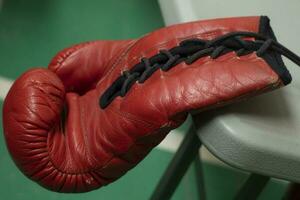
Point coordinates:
pixel 258 135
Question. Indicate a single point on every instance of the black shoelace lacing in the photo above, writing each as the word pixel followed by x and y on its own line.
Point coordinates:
pixel 189 51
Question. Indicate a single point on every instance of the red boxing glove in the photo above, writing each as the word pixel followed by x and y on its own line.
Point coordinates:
pixel 101 106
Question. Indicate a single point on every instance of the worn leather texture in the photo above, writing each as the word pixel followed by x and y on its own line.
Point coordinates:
pixel 59 136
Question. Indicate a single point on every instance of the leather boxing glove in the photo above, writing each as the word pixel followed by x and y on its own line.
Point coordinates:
pixel 101 106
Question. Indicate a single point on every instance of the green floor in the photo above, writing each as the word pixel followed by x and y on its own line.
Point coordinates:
pixel 32 31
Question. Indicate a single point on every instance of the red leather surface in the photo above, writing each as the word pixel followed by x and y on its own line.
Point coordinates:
pixel 95 146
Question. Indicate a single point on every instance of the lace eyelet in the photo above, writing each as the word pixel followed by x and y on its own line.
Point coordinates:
pixel 138 82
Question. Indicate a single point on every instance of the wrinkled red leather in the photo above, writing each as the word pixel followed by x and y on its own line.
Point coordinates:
pixel 95 146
